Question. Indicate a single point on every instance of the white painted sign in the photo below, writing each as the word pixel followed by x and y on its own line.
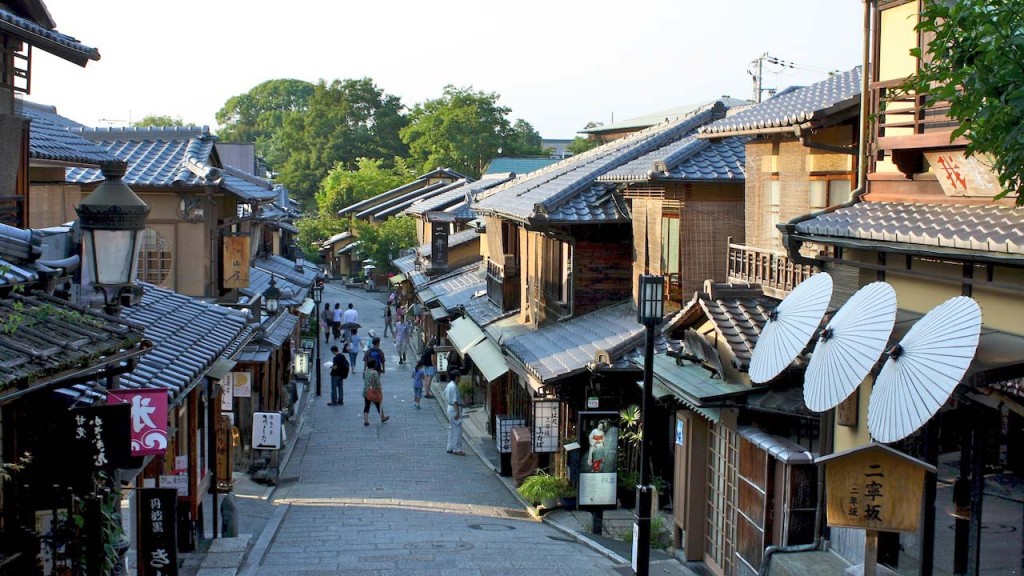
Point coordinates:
pixel 266 430
pixel 503 439
pixel 177 481
pixel 545 426
pixel 597 489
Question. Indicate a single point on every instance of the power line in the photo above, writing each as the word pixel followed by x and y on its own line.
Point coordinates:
pixel 756 70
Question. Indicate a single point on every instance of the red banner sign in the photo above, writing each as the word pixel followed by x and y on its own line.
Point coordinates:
pixel 149 418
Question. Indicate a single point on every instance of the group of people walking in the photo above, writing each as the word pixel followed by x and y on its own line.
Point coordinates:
pixel 343 324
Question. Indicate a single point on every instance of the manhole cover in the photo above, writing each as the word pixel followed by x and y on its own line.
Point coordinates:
pixel 523 514
pixel 492 527
pixel 440 546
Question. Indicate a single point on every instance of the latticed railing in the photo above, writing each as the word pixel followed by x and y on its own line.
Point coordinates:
pixel 773 270
pixel 12 211
pixel 503 285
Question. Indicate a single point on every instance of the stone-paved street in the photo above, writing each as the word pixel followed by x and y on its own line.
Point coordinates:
pixel 388 499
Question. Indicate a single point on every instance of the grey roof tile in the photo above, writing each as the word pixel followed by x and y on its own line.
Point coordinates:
pixel 286 269
pixel 566 348
pixel 738 317
pixel 984 228
pixel 46 39
pixel 689 159
pixel 808 104
pixel 280 328
pixel 456 193
pixel 370 203
pixel 259 281
pixel 49 138
pixel 540 194
pixel 188 336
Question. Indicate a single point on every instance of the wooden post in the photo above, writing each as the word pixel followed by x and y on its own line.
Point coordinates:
pixel 870 553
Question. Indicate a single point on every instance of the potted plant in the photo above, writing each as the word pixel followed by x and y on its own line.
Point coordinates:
pixel 466 391
pixel 541 488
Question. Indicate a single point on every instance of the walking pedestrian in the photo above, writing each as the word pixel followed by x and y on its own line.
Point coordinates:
pixel 327 322
pixel 429 370
pixel 354 344
pixel 454 400
pixel 388 320
pixel 336 328
pixel 417 385
pixel 350 316
pixel 373 393
pixel 402 338
pixel 339 371
pixel 374 354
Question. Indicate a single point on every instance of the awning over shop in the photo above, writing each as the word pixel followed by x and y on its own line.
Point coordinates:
pixel 220 368
pixel 254 354
pixel 489 360
pixel 281 331
pixel 439 313
pixel 694 386
pixel 464 334
pixel 306 307
pixel 426 295
pixel 396 279
pixel 660 392
pixel 781 449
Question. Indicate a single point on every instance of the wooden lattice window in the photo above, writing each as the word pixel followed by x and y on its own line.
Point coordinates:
pixel 155 258
pixel 720 531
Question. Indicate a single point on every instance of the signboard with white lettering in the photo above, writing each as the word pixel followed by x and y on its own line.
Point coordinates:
pixel 148 418
pixel 599 441
pixel 100 437
pixel 158 551
pixel 545 426
pixel 503 438
pixel 266 430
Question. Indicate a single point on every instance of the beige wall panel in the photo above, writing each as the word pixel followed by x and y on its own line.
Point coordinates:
pixel 897 38
pixel 191 259
pixel 847 437
pixel 1000 309
pixel 52 204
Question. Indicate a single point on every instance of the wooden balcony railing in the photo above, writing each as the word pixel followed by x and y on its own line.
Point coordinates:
pixel 503 285
pixel 774 271
pixel 904 120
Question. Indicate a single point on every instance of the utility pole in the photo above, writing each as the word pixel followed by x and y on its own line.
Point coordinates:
pixel 756 71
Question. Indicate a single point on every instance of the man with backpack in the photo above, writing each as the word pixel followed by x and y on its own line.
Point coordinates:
pixel 374 353
pixel 339 371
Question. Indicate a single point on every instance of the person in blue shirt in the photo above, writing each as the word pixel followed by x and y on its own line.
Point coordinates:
pixel 417 385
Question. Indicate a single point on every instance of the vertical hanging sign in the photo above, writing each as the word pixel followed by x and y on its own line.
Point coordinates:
pixel 148 418
pixel 545 426
pixel 158 552
pixel 236 262
pixel 100 437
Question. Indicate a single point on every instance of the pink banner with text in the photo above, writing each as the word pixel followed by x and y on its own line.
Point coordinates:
pixel 149 418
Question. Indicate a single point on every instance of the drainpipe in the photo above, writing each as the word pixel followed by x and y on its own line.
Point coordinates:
pixel 788 229
pixel 793 247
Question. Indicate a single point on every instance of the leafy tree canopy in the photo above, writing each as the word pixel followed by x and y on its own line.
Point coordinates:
pixel 463 130
pixel 975 62
pixel 316 229
pixel 158 120
pixel 384 241
pixel 344 121
pixel 257 115
pixel 343 187
pixel 581 144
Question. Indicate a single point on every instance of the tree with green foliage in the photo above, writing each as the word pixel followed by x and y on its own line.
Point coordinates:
pixel 581 144
pixel 383 241
pixel 158 120
pixel 343 187
pixel 259 114
pixel 975 61
pixel 462 130
pixel 345 120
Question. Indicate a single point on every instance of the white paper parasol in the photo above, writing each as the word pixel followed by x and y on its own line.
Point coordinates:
pixel 849 346
pixel 790 327
pixel 923 369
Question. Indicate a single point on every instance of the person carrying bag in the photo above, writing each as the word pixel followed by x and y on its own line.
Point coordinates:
pixel 373 393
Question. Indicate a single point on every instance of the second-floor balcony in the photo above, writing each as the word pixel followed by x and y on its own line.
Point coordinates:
pixel 503 283
pixel 773 270
pixel 905 120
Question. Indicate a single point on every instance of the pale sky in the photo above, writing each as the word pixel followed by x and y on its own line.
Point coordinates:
pixel 557 64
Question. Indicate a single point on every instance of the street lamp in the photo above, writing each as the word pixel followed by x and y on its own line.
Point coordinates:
pixel 318 292
pixel 649 312
pixel 113 221
pixel 272 296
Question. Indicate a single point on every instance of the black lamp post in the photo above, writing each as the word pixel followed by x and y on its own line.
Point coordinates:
pixel 272 297
pixel 650 310
pixel 318 292
pixel 113 221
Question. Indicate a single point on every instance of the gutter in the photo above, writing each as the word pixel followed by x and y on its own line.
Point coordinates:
pixel 792 245
pixel 788 229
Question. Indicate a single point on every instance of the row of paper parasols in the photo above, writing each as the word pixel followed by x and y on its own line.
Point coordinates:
pixel 917 376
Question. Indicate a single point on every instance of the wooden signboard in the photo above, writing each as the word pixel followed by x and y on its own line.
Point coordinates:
pixel 224 452
pixel 875 488
pixel 962 176
pixel 236 262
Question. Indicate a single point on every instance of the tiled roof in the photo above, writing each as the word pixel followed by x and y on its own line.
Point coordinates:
pixel 285 268
pixel 518 165
pixel 259 281
pixel 738 314
pixel 155 156
pixel 983 228
pixel 688 159
pixel 456 193
pixel 566 348
pixel 809 104
pixel 51 41
pixel 396 205
pixel 598 203
pixel 368 204
pixel 51 336
pixel 538 196
pixel 482 311
pixel 20 257
pixel 454 291
pixel 171 156
pixel 280 329
pixel 49 138
pixel 188 336
pixel 648 120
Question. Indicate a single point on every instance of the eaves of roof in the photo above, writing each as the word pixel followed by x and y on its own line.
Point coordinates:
pixel 396 205
pixel 690 159
pixel 50 140
pixel 60 45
